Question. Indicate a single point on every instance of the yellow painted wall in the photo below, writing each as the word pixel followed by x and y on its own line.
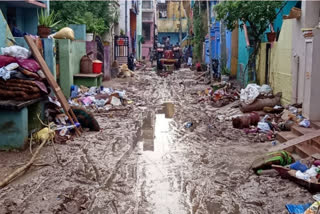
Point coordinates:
pixel 167 25
pixel 173 10
pixel 261 64
pixel 280 74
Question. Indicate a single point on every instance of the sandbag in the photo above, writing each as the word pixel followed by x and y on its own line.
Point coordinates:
pixel 244 121
pixel 64 33
pixel 259 104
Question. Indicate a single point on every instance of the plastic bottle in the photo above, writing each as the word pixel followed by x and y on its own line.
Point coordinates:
pixel 64 129
pixel 74 91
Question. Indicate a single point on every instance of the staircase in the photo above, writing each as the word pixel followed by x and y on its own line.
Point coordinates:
pixel 302 141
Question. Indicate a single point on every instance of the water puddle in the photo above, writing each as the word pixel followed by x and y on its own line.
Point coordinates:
pixel 160 190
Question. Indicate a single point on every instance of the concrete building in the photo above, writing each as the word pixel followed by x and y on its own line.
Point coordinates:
pixel 129 11
pixel 170 15
pixel 148 26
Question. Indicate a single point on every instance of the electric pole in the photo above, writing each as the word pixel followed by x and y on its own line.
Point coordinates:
pixel 209 40
pixel 180 26
pixel 126 17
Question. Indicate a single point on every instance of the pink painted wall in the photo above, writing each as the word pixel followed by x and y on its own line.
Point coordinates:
pixel 148 44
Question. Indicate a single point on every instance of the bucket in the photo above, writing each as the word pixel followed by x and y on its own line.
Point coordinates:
pixel 89 37
pixel 97 66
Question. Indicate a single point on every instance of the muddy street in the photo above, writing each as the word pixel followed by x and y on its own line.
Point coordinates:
pixel 164 153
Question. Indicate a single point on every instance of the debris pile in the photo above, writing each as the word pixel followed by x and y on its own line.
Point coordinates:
pixel 98 98
pixel 220 94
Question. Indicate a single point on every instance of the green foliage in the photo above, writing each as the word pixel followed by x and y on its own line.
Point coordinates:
pixel 93 24
pixel 225 70
pixel 258 14
pixel 47 20
pixel 200 28
pixel 99 13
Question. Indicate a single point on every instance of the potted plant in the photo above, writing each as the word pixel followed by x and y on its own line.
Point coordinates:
pixel 46 22
pixel 271 36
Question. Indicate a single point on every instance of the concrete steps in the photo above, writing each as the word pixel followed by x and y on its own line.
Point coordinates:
pixel 302 141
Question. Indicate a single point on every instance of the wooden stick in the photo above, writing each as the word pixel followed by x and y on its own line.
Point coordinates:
pixel 14 174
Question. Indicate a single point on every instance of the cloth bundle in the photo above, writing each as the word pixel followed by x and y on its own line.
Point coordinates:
pixel 21 90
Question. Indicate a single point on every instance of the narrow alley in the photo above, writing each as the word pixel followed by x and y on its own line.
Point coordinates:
pixel 146 160
pixel 159 107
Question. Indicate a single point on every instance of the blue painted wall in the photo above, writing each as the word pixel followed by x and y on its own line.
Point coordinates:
pixel 216 41
pixel 174 37
pixel 26 18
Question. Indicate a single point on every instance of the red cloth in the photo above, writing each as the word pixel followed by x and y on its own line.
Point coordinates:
pixel 29 64
pixel 6 60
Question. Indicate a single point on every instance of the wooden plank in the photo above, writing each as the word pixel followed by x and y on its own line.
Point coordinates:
pixel 296 141
pixel 18 105
pixel 54 85
pixel 88 75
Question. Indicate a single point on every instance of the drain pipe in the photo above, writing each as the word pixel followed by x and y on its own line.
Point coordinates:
pixel 298 71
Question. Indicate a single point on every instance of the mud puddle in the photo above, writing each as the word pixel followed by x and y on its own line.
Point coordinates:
pixel 158 184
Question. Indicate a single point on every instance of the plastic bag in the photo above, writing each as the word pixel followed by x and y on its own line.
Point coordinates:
pixel 64 33
pixel 305 123
pixel 265 89
pixel 263 126
pixel 16 51
pixel 250 93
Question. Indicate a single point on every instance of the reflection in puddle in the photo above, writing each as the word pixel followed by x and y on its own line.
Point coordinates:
pixel 162 120
pixel 157 168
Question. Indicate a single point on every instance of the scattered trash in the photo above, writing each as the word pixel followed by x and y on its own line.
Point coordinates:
pixel 245 121
pixel 316 197
pixel 313 209
pixel 249 94
pixel 297 208
pixel 305 123
pixel 263 127
pixel 188 125
pixel 266 161
pixel 298 166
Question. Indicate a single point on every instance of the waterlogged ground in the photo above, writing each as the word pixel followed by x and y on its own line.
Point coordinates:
pixel 145 160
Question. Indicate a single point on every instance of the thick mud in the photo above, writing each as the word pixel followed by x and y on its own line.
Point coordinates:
pixel 146 160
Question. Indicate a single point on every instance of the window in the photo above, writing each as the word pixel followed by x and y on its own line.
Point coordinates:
pixel 162 7
pixel 147 16
pixel 146 31
pixel 147 5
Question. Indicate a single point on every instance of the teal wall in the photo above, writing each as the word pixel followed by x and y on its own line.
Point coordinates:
pixel 243 54
pixel 26 18
pixel 13 129
pixel 243 50
pixel 79 31
pixel 70 53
